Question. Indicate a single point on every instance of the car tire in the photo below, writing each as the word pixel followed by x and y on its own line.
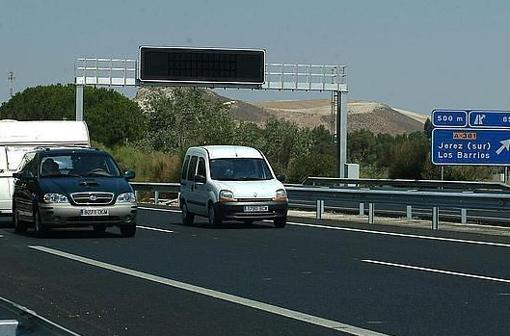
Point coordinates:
pixel 187 217
pixel 99 228
pixel 214 219
pixel 128 230
pixel 40 230
pixel 280 222
pixel 19 226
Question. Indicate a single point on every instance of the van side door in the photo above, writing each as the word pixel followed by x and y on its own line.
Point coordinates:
pixel 189 187
pixel 201 188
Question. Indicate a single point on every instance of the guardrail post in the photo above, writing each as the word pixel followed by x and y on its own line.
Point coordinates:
pixel 463 216
pixel 136 195
pixel 319 212
pixel 370 213
pixel 409 212
pixel 156 197
pixel 362 209
pixel 435 218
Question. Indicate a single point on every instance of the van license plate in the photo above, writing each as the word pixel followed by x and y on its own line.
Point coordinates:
pixel 255 208
pixel 94 212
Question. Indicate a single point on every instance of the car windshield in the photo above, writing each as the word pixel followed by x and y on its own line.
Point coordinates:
pixel 240 169
pixel 79 164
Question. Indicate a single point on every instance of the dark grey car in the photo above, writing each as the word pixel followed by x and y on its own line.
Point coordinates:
pixel 73 187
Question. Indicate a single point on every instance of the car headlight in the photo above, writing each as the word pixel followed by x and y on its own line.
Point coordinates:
pixel 128 197
pixel 227 196
pixel 55 198
pixel 281 195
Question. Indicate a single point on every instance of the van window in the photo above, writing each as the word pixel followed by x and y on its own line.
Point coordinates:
pixel 239 169
pixel 192 168
pixel 201 167
pixel 185 168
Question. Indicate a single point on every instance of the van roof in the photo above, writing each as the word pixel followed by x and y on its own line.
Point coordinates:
pixel 224 151
pixel 43 132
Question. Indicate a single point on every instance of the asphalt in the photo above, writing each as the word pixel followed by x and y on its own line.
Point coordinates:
pixel 326 273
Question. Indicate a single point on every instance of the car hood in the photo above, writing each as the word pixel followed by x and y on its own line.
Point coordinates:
pixel 251 189
pixel 69 185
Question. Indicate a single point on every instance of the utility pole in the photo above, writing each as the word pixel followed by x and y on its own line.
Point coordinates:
pixel 11 79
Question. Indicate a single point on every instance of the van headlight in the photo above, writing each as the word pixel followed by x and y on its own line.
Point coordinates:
pixel 128 197
pixel 281 195
pixel 227 196
pixel 55 198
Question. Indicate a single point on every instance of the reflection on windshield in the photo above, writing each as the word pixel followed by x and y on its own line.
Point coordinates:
pixel 239 170
pixel 79 164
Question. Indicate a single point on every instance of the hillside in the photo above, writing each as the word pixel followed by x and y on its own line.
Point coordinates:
pixel 376 117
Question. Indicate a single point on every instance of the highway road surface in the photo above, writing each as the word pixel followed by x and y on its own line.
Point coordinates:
pixel 306 279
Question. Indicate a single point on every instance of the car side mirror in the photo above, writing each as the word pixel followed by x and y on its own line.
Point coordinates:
pixel 199 179
pixel 281 178
pixel 129 174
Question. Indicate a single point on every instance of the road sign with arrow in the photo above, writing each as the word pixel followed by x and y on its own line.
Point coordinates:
pixel 469 146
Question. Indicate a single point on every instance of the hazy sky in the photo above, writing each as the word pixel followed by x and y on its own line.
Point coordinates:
pixel 415 55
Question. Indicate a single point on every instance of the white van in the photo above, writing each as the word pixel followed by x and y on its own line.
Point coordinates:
pixel 19 137
pixel 230 183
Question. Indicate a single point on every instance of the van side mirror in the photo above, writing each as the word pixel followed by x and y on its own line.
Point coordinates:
pixel 199 179
pixel 129 174
pixel 281 178
pixel 16 175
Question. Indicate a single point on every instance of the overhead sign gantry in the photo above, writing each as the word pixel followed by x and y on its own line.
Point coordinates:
pixel 217 68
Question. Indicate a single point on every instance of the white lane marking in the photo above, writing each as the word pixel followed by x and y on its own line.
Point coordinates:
pixel 394 234
pixel 1 236
pixel 218 295
pixel 384 233
pixel 153 229
pixel 34 314
pixel 157 209
pixel 433 270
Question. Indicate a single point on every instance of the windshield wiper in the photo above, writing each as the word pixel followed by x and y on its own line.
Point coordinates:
pixel 61 175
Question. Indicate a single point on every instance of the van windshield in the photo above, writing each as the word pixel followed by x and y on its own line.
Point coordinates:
pixel 79 164
pixel 239 169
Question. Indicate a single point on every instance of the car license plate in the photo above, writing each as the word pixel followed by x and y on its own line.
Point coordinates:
pixel 94 212
pixel 255 208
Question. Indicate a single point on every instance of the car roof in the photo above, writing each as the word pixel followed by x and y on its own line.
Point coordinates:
pixel 47 151
pixel 226 152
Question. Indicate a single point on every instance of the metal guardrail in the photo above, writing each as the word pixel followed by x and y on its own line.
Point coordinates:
pixel 473 198
pixel 407 184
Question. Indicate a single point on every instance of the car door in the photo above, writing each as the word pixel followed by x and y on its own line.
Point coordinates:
pixel 190 195
pixel 24 187
pixel 200 188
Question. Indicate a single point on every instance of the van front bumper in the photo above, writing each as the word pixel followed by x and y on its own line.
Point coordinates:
pixel 68 215
pixel 238 210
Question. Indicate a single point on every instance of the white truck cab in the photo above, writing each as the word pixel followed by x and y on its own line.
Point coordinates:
pixel 230 183
pixel 20 137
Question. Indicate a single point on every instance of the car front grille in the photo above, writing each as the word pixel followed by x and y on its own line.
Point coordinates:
pixel 92 198
pixel 254 199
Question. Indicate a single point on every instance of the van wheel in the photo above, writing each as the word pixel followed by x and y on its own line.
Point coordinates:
pixel 280 222
pixel 19 226
pixel 187 217
pixel 128 230
pixel 40 229
pixel 214 219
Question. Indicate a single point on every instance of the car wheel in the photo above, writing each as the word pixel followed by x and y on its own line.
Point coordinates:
pixel 128 230
pixel 99 228
pixel 280 222
pixel 187 217
pixel 214 219
pixel 19 226
pixel 40 229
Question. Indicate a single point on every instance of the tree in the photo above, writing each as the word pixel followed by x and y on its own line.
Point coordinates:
pixel 111 117
pixel 427 128
pixel 187 117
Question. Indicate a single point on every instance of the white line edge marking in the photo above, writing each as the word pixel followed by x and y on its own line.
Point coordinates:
pixel 218 295
pixel 33 313
pixel 425 269
pixel 153 229
pixel 394 234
